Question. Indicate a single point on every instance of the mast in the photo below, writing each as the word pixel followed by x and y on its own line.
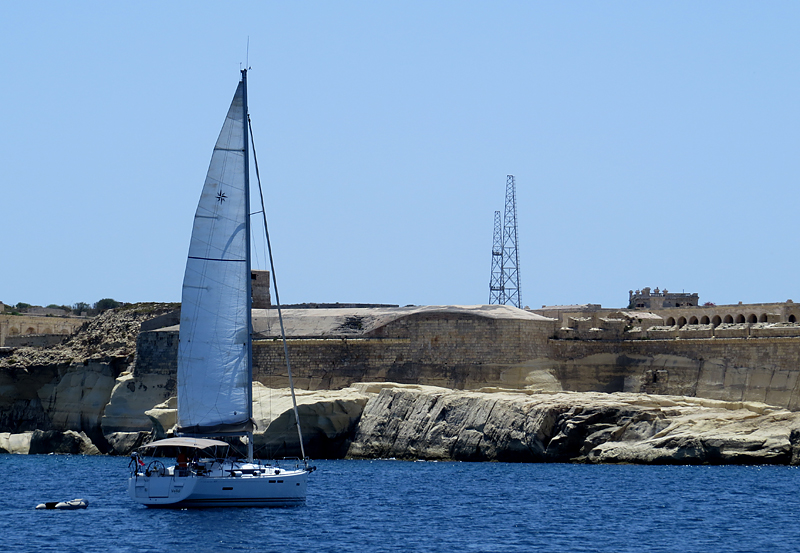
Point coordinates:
pixel 248 280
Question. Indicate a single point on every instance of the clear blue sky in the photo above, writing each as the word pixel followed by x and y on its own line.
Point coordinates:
pixel 654 144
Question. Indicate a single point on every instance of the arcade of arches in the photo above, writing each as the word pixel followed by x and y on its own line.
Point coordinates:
pixel 18 325
pixel 749 316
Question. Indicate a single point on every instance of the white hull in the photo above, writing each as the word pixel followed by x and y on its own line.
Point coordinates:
pixel 241 486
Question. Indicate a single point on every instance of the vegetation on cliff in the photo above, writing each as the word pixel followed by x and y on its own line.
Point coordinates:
pixel 76 309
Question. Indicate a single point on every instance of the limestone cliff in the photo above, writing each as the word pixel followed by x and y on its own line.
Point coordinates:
pixel 94 389
pixel 328 420
pixel 495 425
pixel 67 387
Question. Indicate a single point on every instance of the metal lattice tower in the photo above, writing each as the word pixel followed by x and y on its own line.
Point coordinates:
pixel 511 246
pixel 506 291
pixel 496 291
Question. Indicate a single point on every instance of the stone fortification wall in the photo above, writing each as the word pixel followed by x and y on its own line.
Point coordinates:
pixel 733 369
pixel 455 350
pixel 15 325
pixel 738 313
pixel 444 337
pixel 715 315
pixel 157 352
pixel 461 350
pixel 153 380
pixel 611 329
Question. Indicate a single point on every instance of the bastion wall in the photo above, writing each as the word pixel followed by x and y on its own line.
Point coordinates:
pixel 441 349
pixel 465 351
pixel 730 369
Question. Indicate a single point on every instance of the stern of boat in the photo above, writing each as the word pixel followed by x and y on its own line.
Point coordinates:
pixel 160 490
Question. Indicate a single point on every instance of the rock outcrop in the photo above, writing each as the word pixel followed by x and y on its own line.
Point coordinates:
pixel 328 420
pixel 19 444
pixel 47 441
pixel 496 425
pixel 69 441
pixel 68 386
pixel 385 420
pixel 130 399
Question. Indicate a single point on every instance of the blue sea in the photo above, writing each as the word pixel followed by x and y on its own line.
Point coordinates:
pixel 374 506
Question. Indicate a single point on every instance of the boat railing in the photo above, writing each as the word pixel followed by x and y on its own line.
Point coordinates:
pixel 298 461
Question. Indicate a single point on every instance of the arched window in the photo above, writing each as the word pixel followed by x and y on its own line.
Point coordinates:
pixel 716 321
pixel 704 320
pixel 670 322
pixel 728 319
pixel 740 318
pixel 763 318
pixel 693 321
pixel 681 322
pixel 792 319
pixel 752 319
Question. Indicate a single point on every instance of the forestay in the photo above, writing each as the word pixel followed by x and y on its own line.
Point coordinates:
pixel 214 354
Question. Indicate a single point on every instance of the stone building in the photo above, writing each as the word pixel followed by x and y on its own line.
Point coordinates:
pixel 18 330
pixel 657 307
pixel 658 299
pixel 683 309
pixel 260 289
pixel 715 315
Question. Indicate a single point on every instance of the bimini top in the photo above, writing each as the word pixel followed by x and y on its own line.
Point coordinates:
pixel 196 443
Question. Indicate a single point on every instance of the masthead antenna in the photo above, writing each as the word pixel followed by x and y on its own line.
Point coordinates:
pixel 247 57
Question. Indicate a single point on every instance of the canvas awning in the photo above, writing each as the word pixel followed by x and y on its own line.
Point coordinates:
pixel 196 443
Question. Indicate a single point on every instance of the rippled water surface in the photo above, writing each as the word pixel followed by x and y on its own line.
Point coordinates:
pixel 371 506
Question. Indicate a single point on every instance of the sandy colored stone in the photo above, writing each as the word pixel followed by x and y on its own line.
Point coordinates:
pixel 327 418
pixel 131 397
pixel 15 443
pixel 77 400
pixel 504 425
pixel 163 417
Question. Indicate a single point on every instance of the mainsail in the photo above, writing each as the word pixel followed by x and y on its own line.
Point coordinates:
pixel 214 354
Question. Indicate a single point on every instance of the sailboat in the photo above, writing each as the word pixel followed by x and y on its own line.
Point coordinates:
pixel 215 368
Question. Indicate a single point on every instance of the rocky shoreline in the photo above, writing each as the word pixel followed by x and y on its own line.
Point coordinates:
pixel 386 420
pixel 83 397
pixel 573 427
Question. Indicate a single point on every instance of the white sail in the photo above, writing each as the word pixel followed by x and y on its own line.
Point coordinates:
pixel 214 353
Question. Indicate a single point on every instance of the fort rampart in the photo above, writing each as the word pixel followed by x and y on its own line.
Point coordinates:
pixel 450 349
pixel 471 350
pixel 731 369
